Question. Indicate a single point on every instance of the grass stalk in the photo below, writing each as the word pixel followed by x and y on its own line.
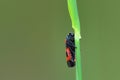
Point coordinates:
pixel 72 8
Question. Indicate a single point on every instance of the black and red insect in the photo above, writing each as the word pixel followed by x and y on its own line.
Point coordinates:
pixel 70 50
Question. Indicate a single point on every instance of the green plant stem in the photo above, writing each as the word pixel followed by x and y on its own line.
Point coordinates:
pixel 72 7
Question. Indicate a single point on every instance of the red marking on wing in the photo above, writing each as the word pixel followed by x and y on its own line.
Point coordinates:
pixel 68 53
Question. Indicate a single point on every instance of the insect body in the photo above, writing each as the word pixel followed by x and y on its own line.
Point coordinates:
pixel 70 50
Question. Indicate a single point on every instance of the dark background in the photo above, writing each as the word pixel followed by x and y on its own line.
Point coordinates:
pixel 32 34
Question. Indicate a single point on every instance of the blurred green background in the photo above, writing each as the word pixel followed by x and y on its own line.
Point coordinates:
pixel 32 34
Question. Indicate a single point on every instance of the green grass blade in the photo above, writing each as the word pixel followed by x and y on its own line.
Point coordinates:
pixel 72 7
